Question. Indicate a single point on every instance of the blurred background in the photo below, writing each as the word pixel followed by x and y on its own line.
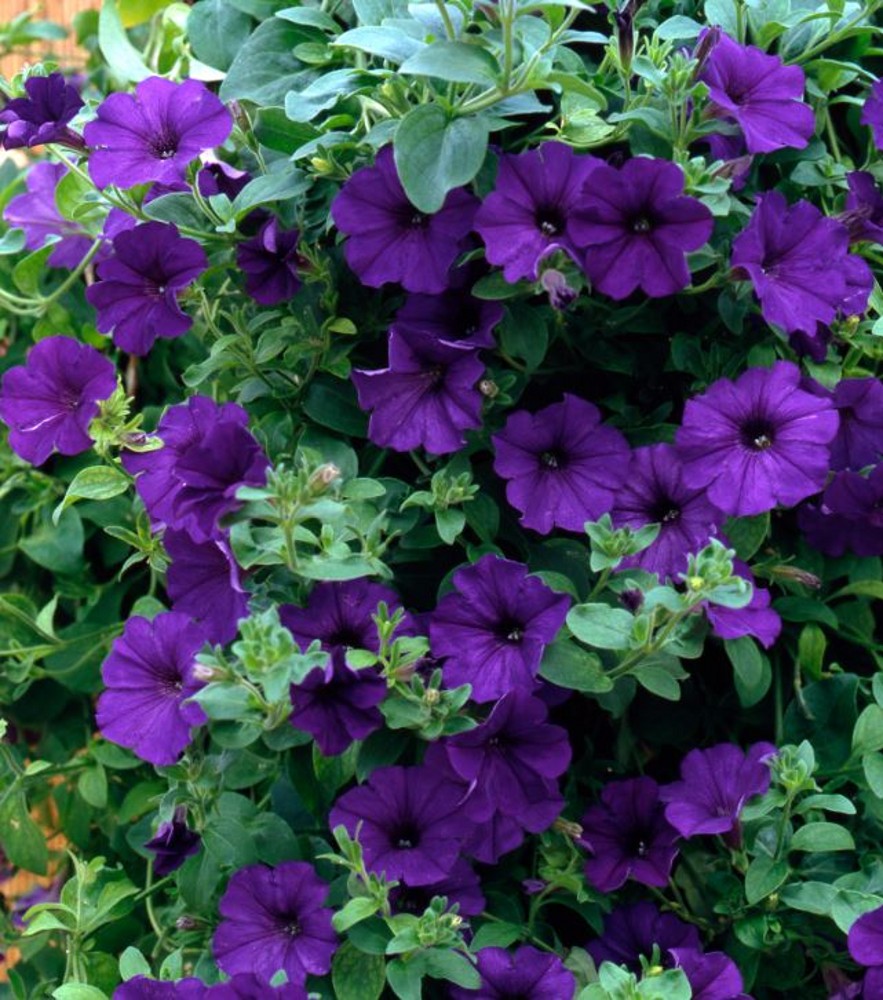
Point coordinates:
pixel 61 12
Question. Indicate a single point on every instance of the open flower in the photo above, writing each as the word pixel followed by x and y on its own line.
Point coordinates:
pixel 528 974
pixel 637 226
pixel 427 397
pixel 562 466
pixel 758 441
pixel 872 112
pixel 529 213
pixel 41 116
pixel 632 930
pixel 859 405
pixel 153 134
pixel 275 919
pixel 269 261
pixel 714 787
pixel 136 297
pixel 173 843
pixel 49 402
pixel 712 975
pixel 760 93
pixel 849 516
pixel 494 627
pixel 408 821
pixel 391 240
pixel 149 677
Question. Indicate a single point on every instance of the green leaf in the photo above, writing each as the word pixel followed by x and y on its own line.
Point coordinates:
pixel 56 546
pixel 92 785
pixel 281 185
pixel 524 333
pixel 601 626
pixel 867 735
pixel 275 130
pixel 354 912
pixel 872 765
pixel 391 44
pixel 123 60
pixel 658 680
pixel 78 991
pixel 434 154
pixel 217 32
pixel 27 272
pixel 98 482
pixel 332 403
pixel 751 669
pixel 747 534
pixel 355 975
pixel 452 966
pixel 569 666
pixel 763 877
pixel 676 28
pixel 13 241
pixel 22 840
pixel 449 522
pixel 822 837
pixel 264 69
pixel 454 62
pixel 810 897
pixel 133 963
pixel 325 92
pixel 406 977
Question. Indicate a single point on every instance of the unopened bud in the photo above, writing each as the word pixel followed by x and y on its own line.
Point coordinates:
pixel 203 672
pixel 489 388
pixel 432 696
pixel 324 476
pixel 568 828
pixel 695 582
pixel 798 575
pixel 554 283
pixel 187 923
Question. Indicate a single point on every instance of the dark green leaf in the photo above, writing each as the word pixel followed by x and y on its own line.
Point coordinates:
pixel 454 62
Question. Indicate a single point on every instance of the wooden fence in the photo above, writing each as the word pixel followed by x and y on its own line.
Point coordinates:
pixel 61 12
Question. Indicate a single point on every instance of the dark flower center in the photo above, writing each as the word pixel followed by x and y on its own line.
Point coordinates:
pixel 510 631
pixel 345 635
pixel 405 837
pixel 665 510
pixel 758 435
pixel 549 220
pixel 552 459
pixel 292 927
pixel 418 220
pixel 165 145
pixel 641 225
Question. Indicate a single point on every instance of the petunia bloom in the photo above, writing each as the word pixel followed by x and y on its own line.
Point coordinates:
pixel 510 763
pixel 562 466
pixel 42 115
pixel 757 442
pixel 657 492
pixel 392 241
pixel 631 931
pixel 203 581
pixel 872 112
pixel 865 943
pixel 136 296
pixel 248 986
pixel 426 398
pixel 760 93
pixel 339 615
pixel 529 213
pixel 637 226
pixel 454 316
pixel 49 402
pixel 275 919
pixel 863 216
pixel 143 988
pixel 528 974
pixel 629 836
pixel 269 262
pixel 712 975
pixel 859 404
pixel 714 787
pixel 173 843
pixel 153 134
pixel 797 259
pixel 337 704
pixel 462 887
pixel 408 821
pixel 36 213
pixel 493 628
pixel 207 455
pixel 848 517
pixel 148 677
pixel 757 618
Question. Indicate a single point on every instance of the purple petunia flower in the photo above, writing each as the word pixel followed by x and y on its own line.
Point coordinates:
pixel 49 402
pixel 656 492
pixel 203 582
pixel 712 976
pixel 275 918
pixel 391 240
pixel 863 216
pixel 149 677
pixel 137 295
pixel 142 988
pixel 337 704
pixel 629 836
pixel 510 763
pixel 637 226
pixel 153 134
pixel 757 618
pixel 715 785
pixel 427 397
pixel 408 821
pixel 173 843
pixel 494 627
pixel 849 516
pixel 865 943
pixel 339 615
pixel 529 213
pixel 247 986
pixel 269 261
pixel 497 836
pixel 632 930
pixel 872 112
pixel 859 404
pixel 798 261
pixel 462 887
pixel 760 93
pixel 562 466
pixel 757 442
pixel 454 317
pixel 42 116
pixel 528 974
pixel 191 482
pixel 37 214
pixel 732 151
